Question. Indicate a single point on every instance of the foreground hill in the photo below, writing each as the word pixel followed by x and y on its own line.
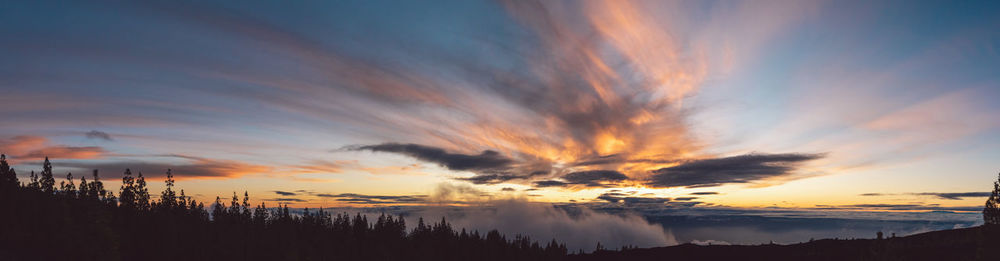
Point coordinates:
pixel 977 243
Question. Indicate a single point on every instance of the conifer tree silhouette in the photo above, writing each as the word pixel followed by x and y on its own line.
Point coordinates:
pixel 172 227
pixel 47 182
pixel 141 193
pixel 33 182
pixel 991 213
pixel 67 187
pixel 127 193
pixel 168 198
pixel 8 179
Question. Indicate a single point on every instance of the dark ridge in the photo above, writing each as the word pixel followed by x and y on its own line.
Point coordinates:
pixel 976 243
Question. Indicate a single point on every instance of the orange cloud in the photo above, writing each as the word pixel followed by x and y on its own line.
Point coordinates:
pixel 21 148
pixel 191 168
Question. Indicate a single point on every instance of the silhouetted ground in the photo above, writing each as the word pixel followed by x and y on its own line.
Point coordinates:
pixel 39 221
pixel 977 243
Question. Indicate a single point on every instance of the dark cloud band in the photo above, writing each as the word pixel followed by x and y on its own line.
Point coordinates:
pixel 737 169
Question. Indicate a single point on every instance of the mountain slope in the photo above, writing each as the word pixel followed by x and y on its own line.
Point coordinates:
pixel 977 243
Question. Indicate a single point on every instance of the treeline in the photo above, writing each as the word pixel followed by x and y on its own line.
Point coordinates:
pixel 84 221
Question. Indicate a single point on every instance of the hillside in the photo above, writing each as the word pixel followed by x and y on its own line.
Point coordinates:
pixel 977 243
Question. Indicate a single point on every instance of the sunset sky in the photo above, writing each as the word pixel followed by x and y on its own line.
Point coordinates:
pixel 853 105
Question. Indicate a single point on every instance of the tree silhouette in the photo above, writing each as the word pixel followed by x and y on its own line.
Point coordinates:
pixel 127 194
pixel 141 193
pixel 47 182
pixel 991 213
pixel 8 179
pixel 168 198
pixel 33 182
pixel 95 225
pixel 67 187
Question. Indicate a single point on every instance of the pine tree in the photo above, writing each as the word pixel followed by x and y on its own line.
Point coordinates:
pixel 260 214
pixel 234 208
pixel 246 207
pixel 182 200
pixel 126 195
pixel 8 179
pixel 218 210
pixel 991 213
pixel 67 187
pixel 168 199
pixel 84 188
pixel 47 182
pixel 141 193
pixel 33 184
pixel 97 188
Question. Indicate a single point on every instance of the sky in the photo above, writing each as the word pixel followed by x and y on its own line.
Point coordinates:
pixel 885 106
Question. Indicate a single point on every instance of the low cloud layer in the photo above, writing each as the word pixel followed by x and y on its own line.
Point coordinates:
pixel 544 222
pixel 736 169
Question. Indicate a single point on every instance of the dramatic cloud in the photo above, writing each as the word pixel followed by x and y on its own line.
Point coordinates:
pixel 94 134
pixel 705 193
pixel 591 86
pixel 737 169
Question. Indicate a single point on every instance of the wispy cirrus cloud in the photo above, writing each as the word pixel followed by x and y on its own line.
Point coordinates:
pixel 562 88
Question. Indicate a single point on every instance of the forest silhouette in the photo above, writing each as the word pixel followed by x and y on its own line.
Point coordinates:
pixel 81 220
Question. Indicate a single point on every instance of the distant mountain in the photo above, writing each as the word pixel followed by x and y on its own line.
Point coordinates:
pixel 976 243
